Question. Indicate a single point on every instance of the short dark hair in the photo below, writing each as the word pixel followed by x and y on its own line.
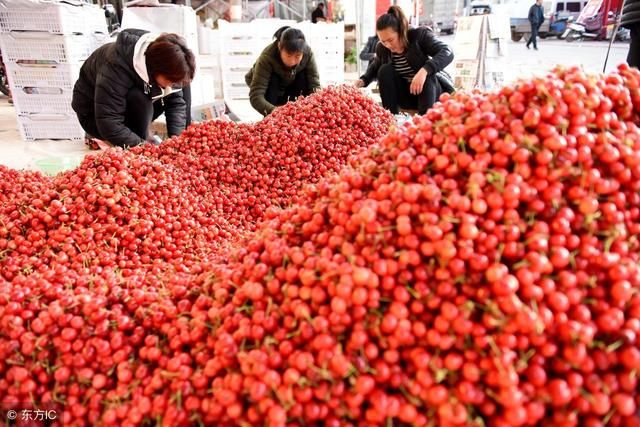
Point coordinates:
pixel 321 4
pixel 397 21
pixel 291 40
pixel 169 56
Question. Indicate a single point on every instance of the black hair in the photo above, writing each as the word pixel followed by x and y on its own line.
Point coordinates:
pixel 320 4
pixel 397 21
pixel 291 40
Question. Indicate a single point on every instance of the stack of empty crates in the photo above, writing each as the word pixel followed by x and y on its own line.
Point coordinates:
pixel 327 43
pixel 240 46
pixel 43 47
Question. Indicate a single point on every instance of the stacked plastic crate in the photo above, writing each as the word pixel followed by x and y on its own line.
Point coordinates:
pixel 240 46
pixel 327 42
pixel 43 47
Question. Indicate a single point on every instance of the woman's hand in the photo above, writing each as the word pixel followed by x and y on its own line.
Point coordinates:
pixel 358 83
pixel 418 82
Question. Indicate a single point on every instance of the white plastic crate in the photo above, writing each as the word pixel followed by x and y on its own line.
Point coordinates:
pixel 56 18
pixel 236 74
pixel 40 48
pixel 42 100
pixel 245 43
pixel 164 18
pixel 211 77
pixel 334 78
pixel 235 90
pixel 257 28
pixel 56 75
pixel 323 48
pixel 326 66
pixel 232 61
pixel 240 45
pixel 50 126
pixel 331 71
pixel 209 61
pixel 208 80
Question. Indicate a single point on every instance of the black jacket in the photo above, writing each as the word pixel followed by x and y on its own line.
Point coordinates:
pixel 424 51
pixel 106 78
pixel 631 13
pixel 317 13
pixel 369 51
pixel 536 15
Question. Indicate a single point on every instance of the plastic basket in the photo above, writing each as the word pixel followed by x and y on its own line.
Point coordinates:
pixel 56 75
pixel 34 100
pixel 54 165
pixel 56 18
pixel 40 48
pixel 50 126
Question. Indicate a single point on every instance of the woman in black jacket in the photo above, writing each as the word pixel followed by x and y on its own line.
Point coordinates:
pixel 124 86
pixel 631 20
pixel 406 63
pixel 369 51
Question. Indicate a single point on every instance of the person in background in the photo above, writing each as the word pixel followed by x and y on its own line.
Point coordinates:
pixel 631 20
pixel 125 85
pixel 536 18
pixel 406 64
pixel 285 70
pixel 369 51
pixel 318 14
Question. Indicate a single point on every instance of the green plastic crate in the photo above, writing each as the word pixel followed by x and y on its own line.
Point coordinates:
pixel 54 165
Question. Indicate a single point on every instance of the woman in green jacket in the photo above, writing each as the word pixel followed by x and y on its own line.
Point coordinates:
pixel 285 70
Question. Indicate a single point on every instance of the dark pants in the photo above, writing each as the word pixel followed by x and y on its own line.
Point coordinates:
pixel 299 86
pixel 633 58
pixel 534 36
pixel 139 114
pixel 395 91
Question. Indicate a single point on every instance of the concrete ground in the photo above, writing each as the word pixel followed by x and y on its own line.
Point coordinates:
pixel 589 55
pixel 18 154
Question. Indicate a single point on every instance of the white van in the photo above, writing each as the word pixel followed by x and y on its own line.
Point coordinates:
pixel 554 11
pixel 565 9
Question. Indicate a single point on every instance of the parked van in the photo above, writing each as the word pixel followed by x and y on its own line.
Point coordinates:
pixel 565 9
pixel 557 13
pixel 441 15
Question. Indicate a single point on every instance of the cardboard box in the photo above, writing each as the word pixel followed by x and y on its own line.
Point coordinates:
pixel 496 73
pixel 497 48
pixel 465 74
pixel 210 111
pixel 467 30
